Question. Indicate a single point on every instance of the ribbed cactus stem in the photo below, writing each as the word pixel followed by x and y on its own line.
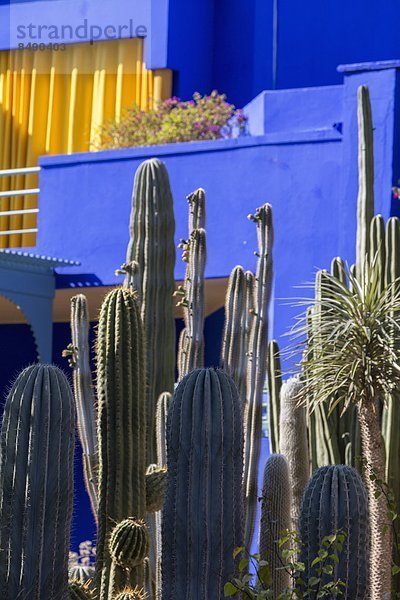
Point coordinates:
pixel 234 307
pixel 377 247
pixel 323 425
pixel 36 485
pixel 161 435
pixel 202 514
pixel 347 429
pixel 161 427
pixel 338 270
pixel 121 381
pixel 133 276
pixel 274 375
pixel 84 396
pixel 197 209
pixel 275 519
pixel 391 410
pixel 365 201
pixel 77 590
pixel 235 341
pixel 156 479
pixel 129 543
pixel 152 246
pixel 193 343
pixel 294 442
pixel 335 499
pixel 257 365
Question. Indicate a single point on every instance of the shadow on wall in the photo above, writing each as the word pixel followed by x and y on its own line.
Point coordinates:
pixel 18 347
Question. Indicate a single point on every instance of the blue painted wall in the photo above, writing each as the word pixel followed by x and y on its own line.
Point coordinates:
pixel 309 175
pixel 228 44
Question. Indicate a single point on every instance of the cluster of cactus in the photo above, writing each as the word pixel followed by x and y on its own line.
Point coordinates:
pixel 123 430
pixel 173 480
pixel 334 500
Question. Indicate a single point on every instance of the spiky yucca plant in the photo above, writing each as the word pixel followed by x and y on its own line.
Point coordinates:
pixel 357 363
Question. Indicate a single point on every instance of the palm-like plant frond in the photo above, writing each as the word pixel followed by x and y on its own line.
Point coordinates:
pixel 352 333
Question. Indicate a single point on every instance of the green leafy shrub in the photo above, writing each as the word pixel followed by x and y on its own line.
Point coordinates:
pixel 203 118
pixel 257 585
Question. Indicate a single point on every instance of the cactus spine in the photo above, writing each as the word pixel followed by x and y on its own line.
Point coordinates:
pixel 294 443
pixel 121 381
pixel 191 343
pixel 275 519
pixel 257 364
pixel 77 590
pixel 202 514
pixel 36 485
pixel 152 247
pixel 81 573
pixel 335 499
pixel 131 594
pixel 84 396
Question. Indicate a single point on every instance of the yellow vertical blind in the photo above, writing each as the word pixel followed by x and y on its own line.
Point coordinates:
pixel 54 101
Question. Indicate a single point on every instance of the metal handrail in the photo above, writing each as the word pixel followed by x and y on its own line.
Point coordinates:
pixel 14 193
pixel 13 231
pixel 19 171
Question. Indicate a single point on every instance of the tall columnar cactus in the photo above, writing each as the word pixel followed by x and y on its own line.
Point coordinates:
pixel 84 395
pixel 276 506
pixel 121 381
pixel 294 442
pixel 274 374
pixel 334 437
pixel 238 315
pixel 36 485
pixel 161 436
pixel 336 499
pixel 203 509
pixel 365 203
pixel 197 209
pixel 323 427
pixel 257 366
pixel 161 427
pixel 152 246
pixel 391 410
pixel 191 343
